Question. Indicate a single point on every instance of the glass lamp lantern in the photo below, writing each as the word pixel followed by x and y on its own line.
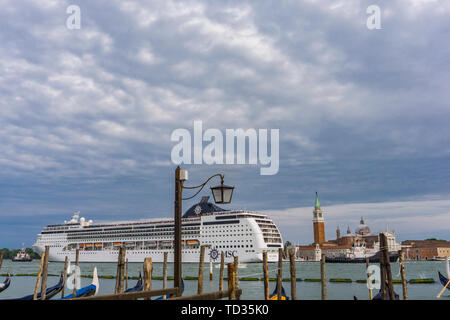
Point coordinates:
pixel 222 193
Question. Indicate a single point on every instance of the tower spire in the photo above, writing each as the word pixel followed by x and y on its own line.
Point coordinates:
pixel 317 204
pixel 318 222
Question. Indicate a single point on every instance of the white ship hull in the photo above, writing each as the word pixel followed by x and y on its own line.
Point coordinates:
pixel 241 234
pixel 188 256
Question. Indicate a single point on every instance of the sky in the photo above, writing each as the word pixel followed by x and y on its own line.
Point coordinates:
pixel 87 114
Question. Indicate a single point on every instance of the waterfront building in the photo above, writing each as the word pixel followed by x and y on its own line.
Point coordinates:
pixel 426 249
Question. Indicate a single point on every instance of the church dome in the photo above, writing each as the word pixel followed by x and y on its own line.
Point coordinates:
pixel 362 228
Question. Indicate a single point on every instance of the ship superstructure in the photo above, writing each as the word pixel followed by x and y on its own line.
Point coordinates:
pixel 239 233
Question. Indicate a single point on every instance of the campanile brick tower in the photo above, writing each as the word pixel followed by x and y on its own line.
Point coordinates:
pixel 318 223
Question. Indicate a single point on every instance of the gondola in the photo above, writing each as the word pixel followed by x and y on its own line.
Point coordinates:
pixel 274 295
pixel 49 293
pixel 138 287
pixel 378 295
pixel 5 284
pixel 170 295
pixel 90 290
pixel 442 278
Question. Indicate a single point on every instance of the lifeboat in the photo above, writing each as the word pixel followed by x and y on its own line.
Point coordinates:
pixel 192 242
pixel 81 246
pixel 99 244
pixel 89 244
pixel 117 243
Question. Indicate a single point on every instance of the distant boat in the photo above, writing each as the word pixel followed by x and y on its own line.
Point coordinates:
pixel 5 284
pixel 138 287
pixel 22 256
pixel 90 290
pixel 274 295
pixel 49 293
pixel 393 257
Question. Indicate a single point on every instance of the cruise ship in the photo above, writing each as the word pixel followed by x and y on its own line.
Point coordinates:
pixel 236 233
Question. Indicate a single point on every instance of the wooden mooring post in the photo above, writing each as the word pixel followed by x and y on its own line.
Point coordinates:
pixel 165 271
pixel 236 274
pixel 1 259
pixel 200 270
pixel 266 276
pixel 210 270
pixel 323 277
pixel 148 270
pixel 126 274
pixel 222 267
pixel 38 279
pixel 231 281
pixel 280 272
pixel 382 274
pixel 403 274
pixel 66 260
pixel 120 270
pixel 77 268
pixel 387 265
pixel 368 279
pixel 44 274
pixel 293 274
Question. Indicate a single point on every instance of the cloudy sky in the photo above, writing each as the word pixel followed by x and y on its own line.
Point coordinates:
pixel 86 115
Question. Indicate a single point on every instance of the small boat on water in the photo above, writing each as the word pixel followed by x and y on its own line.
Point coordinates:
pixel 90 290
pixel 274 295
pixel 138 287
pixel 393 257
pixel 5 284
pixel 22 256
pixel 49 293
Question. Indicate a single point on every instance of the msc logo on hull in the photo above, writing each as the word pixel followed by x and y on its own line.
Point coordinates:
pixel 214 254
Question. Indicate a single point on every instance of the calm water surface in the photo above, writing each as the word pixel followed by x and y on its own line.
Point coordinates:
pixel 21 285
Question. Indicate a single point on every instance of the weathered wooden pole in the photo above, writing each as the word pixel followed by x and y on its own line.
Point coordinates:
pixel 126 272
pixel 165 271
pixel 44 274
pixel 66 260
pixel 1 259
pixel 382 272
pixel 120 270
pixel 77 261
pixel 388 266
pixel 148 270
pixel 200 270
pixel 222 267
pixel 323 277
pixel 210 270
pixel 403 274
pixel 293 275
pixel 231 281
pixel 368 279
pixel 280 272
pixel 236 274
pixel 38 280
pixel 266 276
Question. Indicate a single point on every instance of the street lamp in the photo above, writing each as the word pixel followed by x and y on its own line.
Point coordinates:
pixel 222 195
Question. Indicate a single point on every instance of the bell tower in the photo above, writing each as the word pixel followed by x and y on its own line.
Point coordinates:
pixel 318 223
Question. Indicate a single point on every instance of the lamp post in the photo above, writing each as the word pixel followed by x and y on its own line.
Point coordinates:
pixel 222 195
